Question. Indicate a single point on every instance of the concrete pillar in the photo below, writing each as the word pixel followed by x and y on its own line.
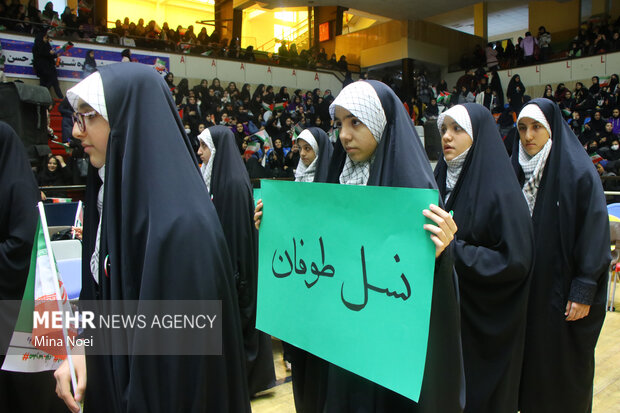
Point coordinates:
pixel 481 23
pixel 407 90
pixel 237 23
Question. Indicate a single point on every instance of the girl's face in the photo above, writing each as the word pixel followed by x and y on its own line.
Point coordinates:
pixel 52 164
pixel 597 115
pixel 277 143
pixel 306 153
pixel 454 139
pixel 204 152
pixel 533 135
pixel 204 83
pixel 355 137
pixel 609 127
pixel 239 127
pixel 517 79
pixel 95 136
pixel 216 82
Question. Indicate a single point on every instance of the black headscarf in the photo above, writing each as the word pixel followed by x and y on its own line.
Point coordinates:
pixel 494 251
pixel 18 222
pixel 325 153
pixel 233 201
pixel 571 231
pixel 159 243
pixel 400 161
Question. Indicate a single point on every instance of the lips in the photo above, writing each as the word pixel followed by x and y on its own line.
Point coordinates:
pixel 447 147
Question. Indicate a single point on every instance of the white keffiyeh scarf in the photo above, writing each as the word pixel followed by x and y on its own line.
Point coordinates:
pixel 361 99
pixel 207 170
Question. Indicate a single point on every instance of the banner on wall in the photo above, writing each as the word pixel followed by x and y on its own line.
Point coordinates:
pixel 17 51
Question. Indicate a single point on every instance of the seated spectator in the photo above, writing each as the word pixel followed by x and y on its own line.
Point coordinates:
pixel 560 92
pixel 614 43
pixel 332 63
pixel 140 30
pixel 282 95
pixel 217 88
pixel 203 37
pixel 600 45
pixel 568 104
pixel 607 136
pixel 615 120
pixel 48 14
pixel 549 95
pixel 249 54
pixel 576 125
pixel 465 96
pixel 574 50
pixel 322 56
pixel 127 41
pixel 343 65
pixel 54 172
pixel 189 36
pixel 282 50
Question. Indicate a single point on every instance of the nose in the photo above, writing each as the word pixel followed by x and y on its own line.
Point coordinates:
pixel 446 137
pixel 529 135
pixel 344 134
pixel 77 133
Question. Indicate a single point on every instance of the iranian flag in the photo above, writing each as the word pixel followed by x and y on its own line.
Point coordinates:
pixel 160 65
pixel 604 81
pixel 567 112
pixel 43 346
pixel 253 147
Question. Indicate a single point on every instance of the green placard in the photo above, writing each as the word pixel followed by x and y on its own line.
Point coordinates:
pixel 257 195
pixel 346 273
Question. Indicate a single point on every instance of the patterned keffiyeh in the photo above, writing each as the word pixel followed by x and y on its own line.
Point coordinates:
pixel 533 168
pixel 455 166
pixel 361 99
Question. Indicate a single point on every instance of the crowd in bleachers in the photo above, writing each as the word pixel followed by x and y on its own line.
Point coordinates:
pixel 595 37
pixel 80 27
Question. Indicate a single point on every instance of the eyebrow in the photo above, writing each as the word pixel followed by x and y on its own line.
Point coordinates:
pixel 350 115
pixel 85 106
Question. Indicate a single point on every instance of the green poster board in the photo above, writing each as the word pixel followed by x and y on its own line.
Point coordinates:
pixel 346 273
